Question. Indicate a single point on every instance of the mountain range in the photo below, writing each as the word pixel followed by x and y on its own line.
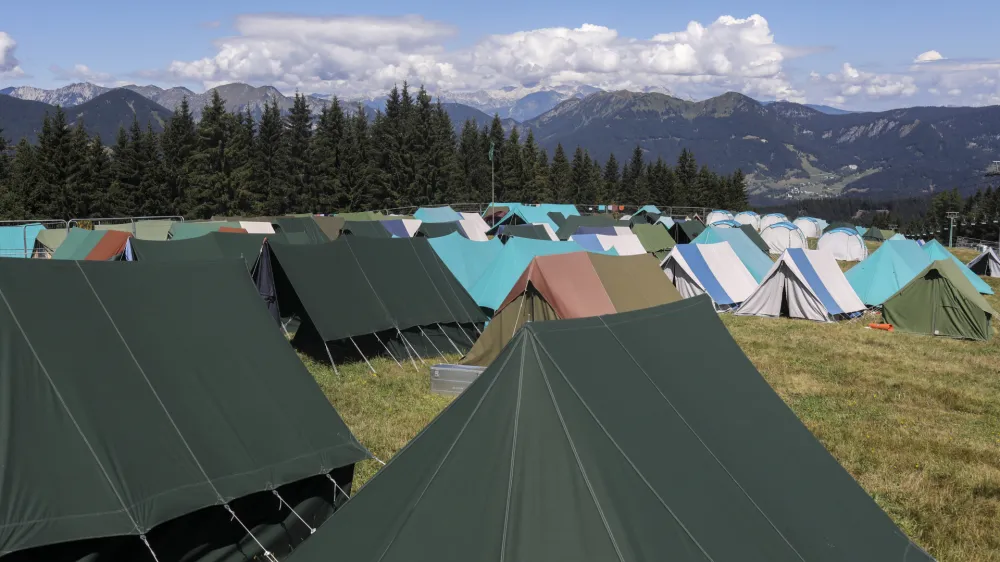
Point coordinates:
pixel 788 150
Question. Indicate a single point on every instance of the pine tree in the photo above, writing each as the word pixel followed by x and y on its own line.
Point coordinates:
pixel 635 190
pixel 94 200
pixel 390 150
pixel 179 142
pixel 445 173
pixel 17 201
pixel 420 133
pixel 543 190
pixel 473 163
pixel 687 175
pixel 76 198
pixel 612 181
pixel 662 183
pixel 707 189
pixel 512 167
pixel 209 163
pixel 496 140
pixel 328 143
pixel 359 176
pixel 54 153
pixel 245 199
pixel 153 199
pixel 529 181
pixel 271 160
pixel 561 177
pixel 595 183
pixel 579 168
pixel 738 200
pixel 302 193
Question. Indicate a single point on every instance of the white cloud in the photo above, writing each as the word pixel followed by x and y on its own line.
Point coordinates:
pixel 363 55
pixel 83 73
pixel 861 86
pixel 9 65
pixel 929 56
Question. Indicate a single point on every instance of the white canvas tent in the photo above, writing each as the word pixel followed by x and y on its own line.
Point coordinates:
pixel 809 226
pixel 474 226
pixel 844 244
pixel 805 284
pixel 783 235
pixel 718 215
pixel 768 220
pixel 257 227
pixel 748 217
pixel 986 264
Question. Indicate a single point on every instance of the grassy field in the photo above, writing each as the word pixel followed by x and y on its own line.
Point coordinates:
pixel 915 419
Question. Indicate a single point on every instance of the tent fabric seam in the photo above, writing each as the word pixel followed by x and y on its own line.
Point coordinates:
pixel 69 412
pixel 150 384
pixel 513 456
pixel 693 432
pixel 572 445
pixel 437 470
pixel 436 290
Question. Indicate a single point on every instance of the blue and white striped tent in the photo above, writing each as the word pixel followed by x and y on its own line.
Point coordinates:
pixel 714 269
pixel 804 284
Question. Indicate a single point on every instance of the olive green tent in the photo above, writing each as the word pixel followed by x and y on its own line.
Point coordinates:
pixel 362 216
pixel 300 230
pixel 159 404
pixel 365 296
pixel 48 241
pixel 214 245
pixel 940 301
pixel 143 229
pixel 655 239
pixel 331 226
pixel 642 436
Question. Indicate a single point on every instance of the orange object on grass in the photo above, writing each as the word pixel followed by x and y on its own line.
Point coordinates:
pixel 886 327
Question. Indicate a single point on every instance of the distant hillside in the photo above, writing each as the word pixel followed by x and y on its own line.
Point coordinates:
pixel 102 115
pixel 21 118
pixel 790 150
pixel 461 113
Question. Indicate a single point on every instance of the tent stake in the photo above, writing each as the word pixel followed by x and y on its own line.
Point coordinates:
pixel 389 352
pixel 330 355
pixel 363 356
pixel 432 343
pixel 457 350
pixel 411 347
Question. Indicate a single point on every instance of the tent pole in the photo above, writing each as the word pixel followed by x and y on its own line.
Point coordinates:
pixel 411 347
pixel 363 356
pixel 457 350
pixel 387 351
pixel 330 355
pixel 432 343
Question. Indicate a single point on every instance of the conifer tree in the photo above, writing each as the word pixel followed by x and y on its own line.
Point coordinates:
pixel 635 190
pixel 327 146
pixel 543 191
pixel 302 193
pixel 245 199
pixel 496 137
pixel 612 181
pixel 17 200
pixel 209 162
pixel 54 153
pixel 661 183
pixel 152 199
pixel 178 143
pixel 94 200
pixel 529 169
pixel 561 177
pixel 472 160
pixel 738 200
pixel 512 167
pixel 75 194
pixel 359 178
pixel 420 145
pixel 445 174
pixel 595 182
pixel 579 171
pixel 687 174
pixel 271 162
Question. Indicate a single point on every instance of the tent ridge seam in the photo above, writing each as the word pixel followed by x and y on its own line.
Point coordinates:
pixel 697 436
pixel 513 455
pixel 625 456
pixel 572 445
pixel 461 432
pixel 149 383
pixel 69 412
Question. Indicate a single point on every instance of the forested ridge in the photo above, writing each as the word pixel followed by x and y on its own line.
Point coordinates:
pixel 409 155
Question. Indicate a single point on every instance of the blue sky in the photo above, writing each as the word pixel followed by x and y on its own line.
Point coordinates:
pixel 120 41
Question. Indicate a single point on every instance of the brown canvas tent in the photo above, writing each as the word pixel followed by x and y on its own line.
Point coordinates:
pixel 574 285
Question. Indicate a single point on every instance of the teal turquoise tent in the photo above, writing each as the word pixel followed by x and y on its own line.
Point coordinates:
pixel 936 251
pixel 18 241
pixel 756 261
pixel 862 230
pixel 498 279
pixel 887 270
pixel 182 230
pixel 565 209
pixel 467 259
pixel 897 236
pixel 649 209
pixel 437 214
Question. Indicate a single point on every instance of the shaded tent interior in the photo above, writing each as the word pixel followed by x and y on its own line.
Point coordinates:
pixel 366 296
pixel 684 232
pixel 558 454
pixel 112 395
pixel 575 285
pixel 986 264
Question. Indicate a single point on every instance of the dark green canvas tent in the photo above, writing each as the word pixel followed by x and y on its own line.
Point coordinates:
pixel 439 229
pixel 574 222
pixel 873 234
pixel 683 232
pixel 839 224
pixel 212 246
pixel 300 230
pixel 940 301
pixel 163 402
pixel 365 295
pixel 582 443
pixel 655 239
pixel 533 231
pixel 366 229
pixel 754 237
